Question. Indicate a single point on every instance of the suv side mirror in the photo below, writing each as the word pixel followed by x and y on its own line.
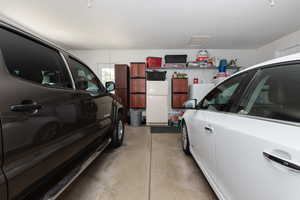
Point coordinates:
pixel 110 86
pixel 190 104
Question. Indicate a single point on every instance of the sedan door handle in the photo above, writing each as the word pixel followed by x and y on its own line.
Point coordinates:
pixel 282 161
pixel 34 107
pixel 208 129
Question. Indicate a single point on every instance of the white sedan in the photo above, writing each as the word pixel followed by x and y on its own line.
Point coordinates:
pixel 245 134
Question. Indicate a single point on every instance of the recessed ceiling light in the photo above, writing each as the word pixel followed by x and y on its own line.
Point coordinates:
pixel 272 3
pixel 89 3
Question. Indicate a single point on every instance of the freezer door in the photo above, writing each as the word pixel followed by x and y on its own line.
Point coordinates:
pixel 157 88
pixel 157 110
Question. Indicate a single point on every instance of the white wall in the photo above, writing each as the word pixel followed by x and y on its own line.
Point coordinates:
pixel 286 45
pixel 93 57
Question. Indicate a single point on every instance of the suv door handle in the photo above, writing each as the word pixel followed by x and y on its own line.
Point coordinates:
pixel 34 107
pixel 209 129
pixel 282 161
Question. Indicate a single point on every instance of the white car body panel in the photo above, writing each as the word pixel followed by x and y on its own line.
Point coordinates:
pixel 231 157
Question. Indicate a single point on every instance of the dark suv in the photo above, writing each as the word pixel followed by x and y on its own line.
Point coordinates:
pixel 56 117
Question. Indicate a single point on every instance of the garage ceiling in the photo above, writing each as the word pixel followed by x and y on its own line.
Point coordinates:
pixel 156 24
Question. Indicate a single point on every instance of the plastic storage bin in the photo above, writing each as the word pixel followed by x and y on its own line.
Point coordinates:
pixel 156 76
pixel 175 58
pixel 135 117
pixel 153 62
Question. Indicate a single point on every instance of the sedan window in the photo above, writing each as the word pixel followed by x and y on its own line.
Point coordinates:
pixel 275 94
pixel 222 97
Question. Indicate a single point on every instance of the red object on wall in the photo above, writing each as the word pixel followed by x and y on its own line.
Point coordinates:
pixel 195 81
pixel 154 62
pixel 201 59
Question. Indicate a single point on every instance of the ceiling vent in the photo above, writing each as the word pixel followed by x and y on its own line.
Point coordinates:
pixel 198 40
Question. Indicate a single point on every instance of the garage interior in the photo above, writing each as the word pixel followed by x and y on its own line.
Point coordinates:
pixel 184 45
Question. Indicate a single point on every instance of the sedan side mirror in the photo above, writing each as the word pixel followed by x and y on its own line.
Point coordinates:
pixel 110 86
pixel 190 104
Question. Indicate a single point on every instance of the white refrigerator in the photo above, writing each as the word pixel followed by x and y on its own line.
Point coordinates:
pixel 157 103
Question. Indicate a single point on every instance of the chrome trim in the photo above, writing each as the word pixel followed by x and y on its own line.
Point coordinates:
pixel 69 70
pixel 64 183
pixel 256 117
pixel 270 120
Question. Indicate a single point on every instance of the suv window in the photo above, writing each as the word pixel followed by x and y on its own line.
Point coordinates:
pixel 275 94
pixel 33 61
pixel 84 78
pixel 222 98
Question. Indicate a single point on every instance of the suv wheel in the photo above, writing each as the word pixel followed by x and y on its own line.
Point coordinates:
pixel 118 133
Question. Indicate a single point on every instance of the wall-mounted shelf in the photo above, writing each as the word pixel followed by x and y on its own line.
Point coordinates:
pixel 191 68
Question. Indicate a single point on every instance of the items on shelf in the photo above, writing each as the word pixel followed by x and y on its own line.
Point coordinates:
pixel 222 66
pixel 153 62
pixel 195 81
pixel 232 63
pixel 220 77
pixel 202 56
pixel 175 59
pixel 175 118
pixel 179 75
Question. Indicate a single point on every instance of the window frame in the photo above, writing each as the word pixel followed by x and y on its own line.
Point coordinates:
pixel 102 89
pixel 39 42
pixel 249 92
pixel 237 96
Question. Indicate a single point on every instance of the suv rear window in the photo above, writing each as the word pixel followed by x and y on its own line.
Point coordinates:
pixel 33 61
pixel 275 94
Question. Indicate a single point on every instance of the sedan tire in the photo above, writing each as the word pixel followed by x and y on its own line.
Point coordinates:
pixel 185 140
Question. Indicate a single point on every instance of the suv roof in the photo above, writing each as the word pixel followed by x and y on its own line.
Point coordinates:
pixel 13 27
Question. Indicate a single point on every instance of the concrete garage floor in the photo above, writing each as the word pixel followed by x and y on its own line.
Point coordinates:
pixel 147 167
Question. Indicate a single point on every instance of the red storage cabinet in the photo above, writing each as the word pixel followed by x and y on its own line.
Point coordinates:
pixel 179 92
pixel 137 85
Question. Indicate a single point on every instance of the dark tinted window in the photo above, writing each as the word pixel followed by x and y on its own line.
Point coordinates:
pixel 84 78
pixel 33 61
pixel 222 97
pixel 275 94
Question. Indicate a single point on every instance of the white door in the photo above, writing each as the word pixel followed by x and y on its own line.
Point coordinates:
pixel 201 140
pixel 258 150
pixel 220 100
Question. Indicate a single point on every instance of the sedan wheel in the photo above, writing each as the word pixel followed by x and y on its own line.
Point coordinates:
pixel 185 140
